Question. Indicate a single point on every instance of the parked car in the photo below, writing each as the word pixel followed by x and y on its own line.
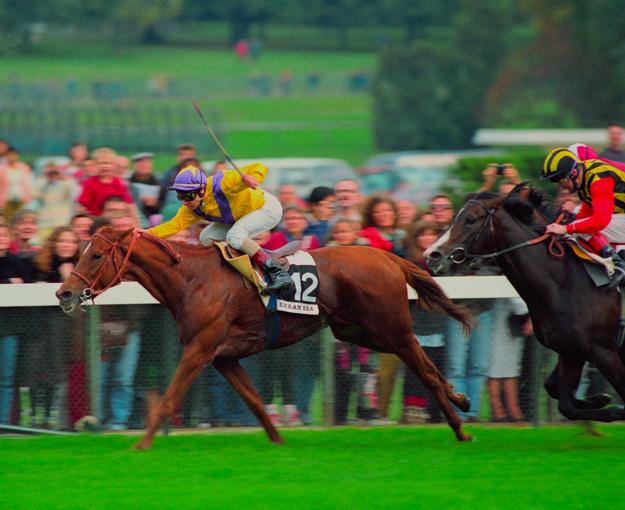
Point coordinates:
pixel 303 173
pixel 413 175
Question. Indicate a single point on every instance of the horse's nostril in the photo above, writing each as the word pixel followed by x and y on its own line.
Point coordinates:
pixel 435 255
pixel 64 296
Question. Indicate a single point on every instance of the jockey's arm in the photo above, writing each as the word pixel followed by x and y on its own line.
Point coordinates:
pixel 602 192
pixel 595 218
pixel 183 219
pixel 254 175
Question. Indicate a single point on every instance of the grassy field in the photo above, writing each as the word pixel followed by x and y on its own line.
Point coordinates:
pixel 330 123
pixel 377 468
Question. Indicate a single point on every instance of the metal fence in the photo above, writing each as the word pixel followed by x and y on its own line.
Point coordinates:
pixel 116 358
pixel 52 128
pixel 141 114
pixel 162 87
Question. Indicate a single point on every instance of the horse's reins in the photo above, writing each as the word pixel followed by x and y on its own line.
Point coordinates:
pixel 90 292
pixel 489 221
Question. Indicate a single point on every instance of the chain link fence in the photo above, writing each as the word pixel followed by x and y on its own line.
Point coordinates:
pixel 115 360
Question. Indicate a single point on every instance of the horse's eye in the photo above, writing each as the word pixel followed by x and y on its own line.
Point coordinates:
pixel 96 256
pixel 470 220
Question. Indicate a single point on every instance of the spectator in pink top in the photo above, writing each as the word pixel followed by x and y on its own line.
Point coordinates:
pixel 98 188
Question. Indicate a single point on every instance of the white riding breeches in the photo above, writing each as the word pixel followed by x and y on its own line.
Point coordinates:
pixel 252 224
pixel 614 232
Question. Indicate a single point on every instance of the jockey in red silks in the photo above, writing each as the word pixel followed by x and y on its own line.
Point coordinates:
pixel 237 209
pixel 600 186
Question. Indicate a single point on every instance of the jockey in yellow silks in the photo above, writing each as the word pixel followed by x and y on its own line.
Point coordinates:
pixel 601 188
pixel 237 209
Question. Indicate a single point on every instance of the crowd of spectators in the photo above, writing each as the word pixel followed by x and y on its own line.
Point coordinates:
pixel 47 221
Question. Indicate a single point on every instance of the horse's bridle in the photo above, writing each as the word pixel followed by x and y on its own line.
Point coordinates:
pixel 490 214
pixel 90 293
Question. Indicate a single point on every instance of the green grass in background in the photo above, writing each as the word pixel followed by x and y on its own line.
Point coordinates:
pixel 60 60
pixel 328 124
pixel 378 468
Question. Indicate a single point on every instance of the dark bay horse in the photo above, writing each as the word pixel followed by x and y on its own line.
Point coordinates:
pixel 570 314
pixel 362 297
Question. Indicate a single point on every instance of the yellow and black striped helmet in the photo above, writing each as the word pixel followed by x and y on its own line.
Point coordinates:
pixel 559 164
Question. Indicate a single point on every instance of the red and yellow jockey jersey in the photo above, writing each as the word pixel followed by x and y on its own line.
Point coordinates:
pixel 597 169
pixel 227 200
pixel 602 192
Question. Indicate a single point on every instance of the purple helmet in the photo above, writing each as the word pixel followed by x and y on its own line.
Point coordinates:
pixel 189 179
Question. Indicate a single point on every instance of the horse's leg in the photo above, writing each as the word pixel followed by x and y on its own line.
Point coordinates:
pixel 404 345
pixel 236 375
pixel 412 354
pixel 612 368
pixel 192 362
pixel 591 402
pixel 569 375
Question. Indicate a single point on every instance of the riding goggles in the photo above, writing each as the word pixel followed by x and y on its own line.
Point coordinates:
pixel 561 182
pixel 186 196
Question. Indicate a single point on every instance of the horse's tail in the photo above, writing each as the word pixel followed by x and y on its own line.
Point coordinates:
pixel 431 295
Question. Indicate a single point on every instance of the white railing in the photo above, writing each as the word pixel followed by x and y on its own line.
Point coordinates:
pixel 131 293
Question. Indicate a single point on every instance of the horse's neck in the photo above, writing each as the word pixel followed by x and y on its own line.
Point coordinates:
pixel 157 272
pixel 529 273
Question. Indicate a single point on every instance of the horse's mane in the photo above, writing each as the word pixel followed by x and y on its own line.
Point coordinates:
pixel 115 234
pixel 524 200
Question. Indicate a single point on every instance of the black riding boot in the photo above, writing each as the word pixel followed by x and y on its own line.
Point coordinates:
pixel 607 252
pixel 280 279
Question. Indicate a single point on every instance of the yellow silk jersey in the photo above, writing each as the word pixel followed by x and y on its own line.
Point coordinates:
pixel 227 199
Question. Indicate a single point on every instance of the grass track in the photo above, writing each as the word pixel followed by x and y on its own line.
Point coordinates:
pixel 377 468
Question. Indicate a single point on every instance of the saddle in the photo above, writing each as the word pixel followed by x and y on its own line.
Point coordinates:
pixel 593 262
pixel 249 269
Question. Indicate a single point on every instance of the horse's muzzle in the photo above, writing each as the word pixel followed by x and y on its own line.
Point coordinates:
pixel 439 262
pixel 70 301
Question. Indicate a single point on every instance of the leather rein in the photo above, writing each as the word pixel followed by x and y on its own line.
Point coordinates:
pixel 90 292
pixel 489 222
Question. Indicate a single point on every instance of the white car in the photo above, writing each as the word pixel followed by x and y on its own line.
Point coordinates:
pixel 413 175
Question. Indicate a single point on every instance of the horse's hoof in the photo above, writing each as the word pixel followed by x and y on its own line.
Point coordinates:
pixel 141 446
pixel 467 438
pixel 464 404
pixel 600 399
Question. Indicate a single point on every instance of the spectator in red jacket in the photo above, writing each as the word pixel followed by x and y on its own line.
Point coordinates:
pixel 380 217
pixel 98 188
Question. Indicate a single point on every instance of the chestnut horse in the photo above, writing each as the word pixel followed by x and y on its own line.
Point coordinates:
pixel 362 297
pixel 571 315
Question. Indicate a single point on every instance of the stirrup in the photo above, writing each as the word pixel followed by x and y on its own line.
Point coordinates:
pixel 617 279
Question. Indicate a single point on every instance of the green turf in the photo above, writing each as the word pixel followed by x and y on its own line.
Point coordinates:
pixel 377 468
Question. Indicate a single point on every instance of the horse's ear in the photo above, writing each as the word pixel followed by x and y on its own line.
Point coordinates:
pixel 521 190
pixel 525 193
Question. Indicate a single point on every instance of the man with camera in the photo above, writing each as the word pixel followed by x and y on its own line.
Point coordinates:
pixel 507 171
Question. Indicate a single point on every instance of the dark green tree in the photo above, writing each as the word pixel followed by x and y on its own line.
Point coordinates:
pixel 570 72
pixel 428 95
